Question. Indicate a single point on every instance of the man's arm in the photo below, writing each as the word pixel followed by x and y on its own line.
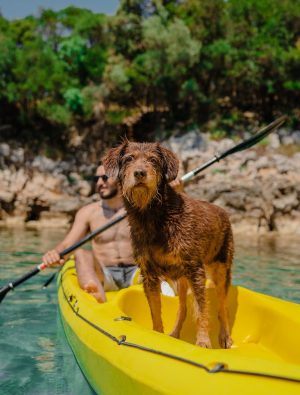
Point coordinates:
pixel 79 229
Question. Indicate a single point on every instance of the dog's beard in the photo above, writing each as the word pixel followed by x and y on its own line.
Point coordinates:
pixel 139 196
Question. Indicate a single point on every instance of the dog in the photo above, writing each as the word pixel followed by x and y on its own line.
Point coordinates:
pixel 173 236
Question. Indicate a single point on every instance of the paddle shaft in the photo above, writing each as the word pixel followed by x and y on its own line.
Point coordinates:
pixel 237 148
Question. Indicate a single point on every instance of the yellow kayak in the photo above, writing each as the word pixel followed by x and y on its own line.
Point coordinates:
pixel 119 353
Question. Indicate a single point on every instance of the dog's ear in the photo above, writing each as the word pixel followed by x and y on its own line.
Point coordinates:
pixel 111 160
pixel 170 163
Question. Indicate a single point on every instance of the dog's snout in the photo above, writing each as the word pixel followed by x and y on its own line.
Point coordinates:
pixel 139 174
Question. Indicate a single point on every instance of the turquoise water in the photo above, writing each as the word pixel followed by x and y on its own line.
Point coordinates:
pixel 270 265
pixel 35 358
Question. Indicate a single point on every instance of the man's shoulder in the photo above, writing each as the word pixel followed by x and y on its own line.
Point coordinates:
pixel 89 209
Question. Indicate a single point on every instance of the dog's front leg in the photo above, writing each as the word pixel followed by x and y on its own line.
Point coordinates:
pixel 182 286
pixel 197 281
pixel 152 291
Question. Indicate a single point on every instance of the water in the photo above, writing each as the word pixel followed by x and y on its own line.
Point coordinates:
pixel 35 357
pixel 270 265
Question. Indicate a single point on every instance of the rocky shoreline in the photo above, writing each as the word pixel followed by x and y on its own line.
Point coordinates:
pixel 259 187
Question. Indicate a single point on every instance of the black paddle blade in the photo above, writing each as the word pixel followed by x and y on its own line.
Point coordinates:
pixel 256 138
pixel 18 281
pixel 262 133
pixel 4 291
pixel 49 281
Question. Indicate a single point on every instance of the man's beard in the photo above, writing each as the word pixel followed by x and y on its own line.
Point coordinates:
pixel 110 194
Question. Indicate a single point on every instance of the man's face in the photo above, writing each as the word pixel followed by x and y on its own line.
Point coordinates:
pixel 106 187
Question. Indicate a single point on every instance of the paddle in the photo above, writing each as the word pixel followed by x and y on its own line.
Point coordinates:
pixel 262 133
pixel 37 269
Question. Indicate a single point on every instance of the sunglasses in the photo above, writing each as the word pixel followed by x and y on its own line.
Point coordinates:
pixel 104 178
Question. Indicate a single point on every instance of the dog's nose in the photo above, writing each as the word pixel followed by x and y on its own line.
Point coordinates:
pixel 139 174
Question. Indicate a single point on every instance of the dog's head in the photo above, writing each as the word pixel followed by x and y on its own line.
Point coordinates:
pixel 141 168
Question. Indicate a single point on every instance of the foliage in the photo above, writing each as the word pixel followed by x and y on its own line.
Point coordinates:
pixel 172 62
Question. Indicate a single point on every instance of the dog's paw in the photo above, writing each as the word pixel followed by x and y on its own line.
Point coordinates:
pixel 174 334
pixel 158 329
pixel 205 343
pixel 225 341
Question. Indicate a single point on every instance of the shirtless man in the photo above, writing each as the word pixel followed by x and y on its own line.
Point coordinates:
pixel 109 266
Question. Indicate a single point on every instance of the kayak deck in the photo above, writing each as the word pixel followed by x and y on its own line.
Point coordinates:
pixel 117 349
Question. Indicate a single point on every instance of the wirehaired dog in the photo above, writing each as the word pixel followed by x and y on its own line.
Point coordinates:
pixel 173 236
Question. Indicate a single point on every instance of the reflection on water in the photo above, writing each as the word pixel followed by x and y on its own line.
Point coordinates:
pixel 35 358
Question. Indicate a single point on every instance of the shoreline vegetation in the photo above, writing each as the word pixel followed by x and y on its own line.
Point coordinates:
pixel 197 75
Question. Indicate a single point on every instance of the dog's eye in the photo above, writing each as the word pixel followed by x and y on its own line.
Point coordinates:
pixel 128 158
pixel 153 160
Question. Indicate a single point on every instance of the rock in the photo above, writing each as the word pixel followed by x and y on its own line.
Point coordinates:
pixel 296 137
pixel 245 157
pixel 263 163
pixel 4 150
pixel 286 203
pixel 43 164
pixel 17 156
pixel 18 180
pixel 87 169
pixel 6 196
pixel 84 188
pixel 15 221
pixel 6 175
pixel 285 136
pixel 235 199
pixel 62 167
pixel 51 220
pixel 287 140
pixel 274 141
pixel 66 205
pixel 53 184
pixel 187 146
pixel 222 145
pixel 259 188
pixel 283 164
pixel 74 179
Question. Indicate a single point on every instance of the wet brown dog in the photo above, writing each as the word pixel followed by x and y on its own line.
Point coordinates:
pixel 173 236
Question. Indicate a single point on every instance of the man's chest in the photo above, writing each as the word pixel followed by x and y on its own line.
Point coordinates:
pixel 117 232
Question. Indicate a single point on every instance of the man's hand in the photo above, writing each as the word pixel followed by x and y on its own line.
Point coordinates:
pixel 177 184
pixel 52 258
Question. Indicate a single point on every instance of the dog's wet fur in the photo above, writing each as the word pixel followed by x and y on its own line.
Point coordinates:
pixel 173 236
